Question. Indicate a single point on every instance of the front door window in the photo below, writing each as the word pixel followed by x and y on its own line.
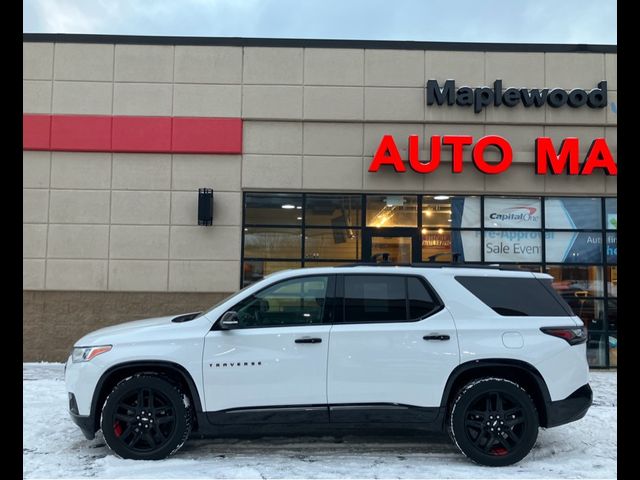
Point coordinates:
pixel 299 301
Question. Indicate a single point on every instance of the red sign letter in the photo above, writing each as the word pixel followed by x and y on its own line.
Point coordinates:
pixel 599 156
pixel 569 150
pixel 457 142
pixel 505 150
pixel 381 158
pixel 415 162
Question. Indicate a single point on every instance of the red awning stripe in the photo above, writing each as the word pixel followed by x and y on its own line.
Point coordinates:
pixel 36 132
pixel 106 133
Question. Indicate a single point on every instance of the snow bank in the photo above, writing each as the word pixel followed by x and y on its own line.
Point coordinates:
pixel 53 447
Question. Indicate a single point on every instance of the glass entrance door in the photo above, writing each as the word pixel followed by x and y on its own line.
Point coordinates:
pixel 393 245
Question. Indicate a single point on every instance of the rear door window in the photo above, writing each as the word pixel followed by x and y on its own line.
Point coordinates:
pixel 374 298
pixel 422 302
pixel 386 298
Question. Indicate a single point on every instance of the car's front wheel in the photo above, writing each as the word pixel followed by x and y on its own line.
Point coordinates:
pixel 146 417
pixel 494 422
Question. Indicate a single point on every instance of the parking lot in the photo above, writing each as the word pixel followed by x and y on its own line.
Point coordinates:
pixel 55 448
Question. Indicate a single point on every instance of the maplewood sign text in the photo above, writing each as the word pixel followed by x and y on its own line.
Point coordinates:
pixel 549 158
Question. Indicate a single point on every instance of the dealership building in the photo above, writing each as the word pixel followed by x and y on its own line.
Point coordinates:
pixel 161 174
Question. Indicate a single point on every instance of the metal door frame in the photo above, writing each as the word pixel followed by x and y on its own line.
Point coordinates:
pixel 390 232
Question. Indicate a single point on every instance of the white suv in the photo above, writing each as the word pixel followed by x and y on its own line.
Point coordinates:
pixel 487 355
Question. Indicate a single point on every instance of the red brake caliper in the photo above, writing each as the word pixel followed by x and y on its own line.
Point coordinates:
pixel 499 451
pixel 117 429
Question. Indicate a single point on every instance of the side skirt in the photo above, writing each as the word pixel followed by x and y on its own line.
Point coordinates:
pixel 322 418
pixel 286 414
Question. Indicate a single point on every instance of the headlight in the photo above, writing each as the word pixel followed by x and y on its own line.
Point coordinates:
pixel 84 354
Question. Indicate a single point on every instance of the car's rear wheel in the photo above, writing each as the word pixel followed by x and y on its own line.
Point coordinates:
pixel 494 422
pixel 146 417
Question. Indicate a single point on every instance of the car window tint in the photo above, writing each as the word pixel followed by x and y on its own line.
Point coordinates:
pixel 421 301
pixel 514 296
pixel 374 298
pixel 299 301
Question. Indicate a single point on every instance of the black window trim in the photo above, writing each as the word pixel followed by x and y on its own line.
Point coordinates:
pixel 341 317
pixel 547 283
pixel 327 312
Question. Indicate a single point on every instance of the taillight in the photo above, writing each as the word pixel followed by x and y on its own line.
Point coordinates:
pixel 573 335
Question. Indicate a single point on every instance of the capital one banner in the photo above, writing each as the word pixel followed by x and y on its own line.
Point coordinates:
pixel 507 245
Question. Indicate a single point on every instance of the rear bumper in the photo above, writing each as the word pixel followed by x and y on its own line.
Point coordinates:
pixel 572 408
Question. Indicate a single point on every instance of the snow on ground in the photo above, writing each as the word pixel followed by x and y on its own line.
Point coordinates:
pixel 53 447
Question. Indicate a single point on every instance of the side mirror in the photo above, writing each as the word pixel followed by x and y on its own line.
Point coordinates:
pixel 229 320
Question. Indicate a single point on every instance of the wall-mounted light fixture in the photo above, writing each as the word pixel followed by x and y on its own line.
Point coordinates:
pixel 205 206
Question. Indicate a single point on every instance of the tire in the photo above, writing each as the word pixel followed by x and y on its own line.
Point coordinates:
pixel 146 417
pixel 494 422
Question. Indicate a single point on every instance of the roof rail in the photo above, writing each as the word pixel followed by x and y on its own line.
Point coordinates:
pixel 431 265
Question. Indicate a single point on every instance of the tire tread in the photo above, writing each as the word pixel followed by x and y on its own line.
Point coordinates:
pixel 460 395
pixel 188 413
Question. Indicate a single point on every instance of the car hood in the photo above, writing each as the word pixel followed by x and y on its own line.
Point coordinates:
pixel 137 330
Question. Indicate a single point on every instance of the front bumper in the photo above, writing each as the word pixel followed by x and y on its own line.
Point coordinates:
pixel 80 382
pixel 572 408
pixel 86 424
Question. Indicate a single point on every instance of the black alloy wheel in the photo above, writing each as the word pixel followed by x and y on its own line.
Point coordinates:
pixel 146 417
pixel 494 422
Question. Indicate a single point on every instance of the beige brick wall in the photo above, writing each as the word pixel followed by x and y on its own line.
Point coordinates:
pixel 114 237
pixel 208 65
pixel 313 118
pixel 296 83
pixel 88 62
pixel 128 222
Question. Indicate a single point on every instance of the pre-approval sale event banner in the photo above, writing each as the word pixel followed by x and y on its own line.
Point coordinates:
pixel 507 245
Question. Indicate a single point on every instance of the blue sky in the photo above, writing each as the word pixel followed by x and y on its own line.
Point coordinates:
pixel 535 21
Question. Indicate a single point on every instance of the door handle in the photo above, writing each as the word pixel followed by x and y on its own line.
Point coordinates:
pixel 436 337
pixel 308 340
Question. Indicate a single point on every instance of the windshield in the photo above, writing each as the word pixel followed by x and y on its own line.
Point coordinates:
pixel 233 295
pixel 224 300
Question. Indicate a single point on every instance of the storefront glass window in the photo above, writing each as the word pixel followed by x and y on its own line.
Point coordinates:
pixel 273 209
pixel 529 268
pixel 333 210
pixel 254 270
pixel 612 315
pixel 597 348
pixel 392 211
pixel 319 263
pixel 612 281
pixel 332 244
pixel 574 239
pixel 574 247
pixel 612 247
pixel 573 213
pixel 439 244
pixel 450 212
pixel 265 242
pixel 613 349
pixel 512 212
pixel 611 207
pixel 577 282
pixel 590 311
pixel 512 246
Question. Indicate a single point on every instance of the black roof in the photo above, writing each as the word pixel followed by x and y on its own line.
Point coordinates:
pixel 319 43
pixel 434 265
